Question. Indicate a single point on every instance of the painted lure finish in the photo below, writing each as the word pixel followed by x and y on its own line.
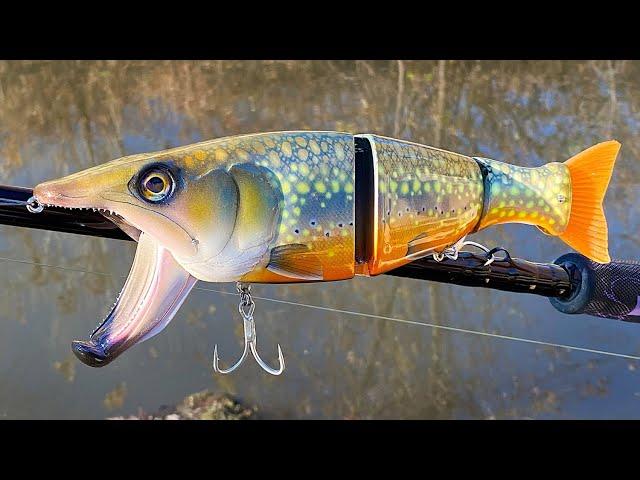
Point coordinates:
pixel 280 207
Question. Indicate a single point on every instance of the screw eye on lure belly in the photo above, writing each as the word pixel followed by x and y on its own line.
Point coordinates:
pixel 304 206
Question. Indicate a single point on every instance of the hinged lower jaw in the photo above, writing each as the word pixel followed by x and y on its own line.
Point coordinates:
pixel 154 291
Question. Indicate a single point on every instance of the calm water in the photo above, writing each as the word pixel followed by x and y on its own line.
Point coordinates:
pixel 60 117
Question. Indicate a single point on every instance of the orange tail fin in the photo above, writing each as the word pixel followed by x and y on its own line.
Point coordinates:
pixel 590 172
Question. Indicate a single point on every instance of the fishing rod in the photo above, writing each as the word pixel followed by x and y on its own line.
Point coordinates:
pixel 573 283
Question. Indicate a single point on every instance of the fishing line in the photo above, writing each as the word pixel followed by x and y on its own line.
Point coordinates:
pixel 361 314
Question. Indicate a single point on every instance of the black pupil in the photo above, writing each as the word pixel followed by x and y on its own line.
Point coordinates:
pixel 155 184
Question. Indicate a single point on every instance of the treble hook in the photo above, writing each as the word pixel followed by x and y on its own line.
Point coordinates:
pixel 250 339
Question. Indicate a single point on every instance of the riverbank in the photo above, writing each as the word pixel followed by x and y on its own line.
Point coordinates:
pixel 204 405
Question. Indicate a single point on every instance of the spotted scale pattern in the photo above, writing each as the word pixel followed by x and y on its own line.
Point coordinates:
pixel 315 171
pixel 538 196
pixel 427 199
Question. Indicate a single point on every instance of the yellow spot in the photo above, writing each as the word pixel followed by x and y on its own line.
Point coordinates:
pixel 188 162
pixel 242 154
pixel 274 158
pixel 501 204
pixel 328 195
pixel 322 205
pixel 283 228
pixel 344 233
pixel 313 145
pixel 200 154
pixel 404 188
pixel 552 221
pixel 306 233
pixel 522 214
pixel 320 187
pixel 303 201
pixel 303 154
pixel 293 198
pixel 304 169
pixel 503 214
pixel 296 211
pixel 494 210
pixel 348 187
pixel 219 154
pixel 416 185
pixel 437 187
pixel 259 148
pixel 301 141
pixel 534 214
pixel 302 187
pixel 294 167
pixel 427 187
pixel 511 213
pixel 285 214
pixel 286 187
pixel 290 238
pixel 286 148
pixel 335 186
pixel 331 253
pixel 530 204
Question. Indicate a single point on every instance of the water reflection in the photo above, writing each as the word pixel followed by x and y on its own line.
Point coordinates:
pixel 59 117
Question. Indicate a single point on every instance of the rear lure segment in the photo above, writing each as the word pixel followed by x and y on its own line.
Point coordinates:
pixel 311 206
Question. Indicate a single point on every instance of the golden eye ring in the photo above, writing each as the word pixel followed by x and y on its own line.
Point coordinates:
pixel 156 185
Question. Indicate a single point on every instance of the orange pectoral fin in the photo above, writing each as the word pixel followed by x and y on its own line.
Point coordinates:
pixel 295 261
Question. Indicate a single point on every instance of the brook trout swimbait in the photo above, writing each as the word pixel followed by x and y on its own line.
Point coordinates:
pixel 311 206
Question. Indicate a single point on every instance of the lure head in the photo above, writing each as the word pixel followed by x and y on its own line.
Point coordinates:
pixel 196 215
pixel 185 198
pixel 158 195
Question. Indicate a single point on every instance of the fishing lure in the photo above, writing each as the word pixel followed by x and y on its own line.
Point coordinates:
pixel 311 206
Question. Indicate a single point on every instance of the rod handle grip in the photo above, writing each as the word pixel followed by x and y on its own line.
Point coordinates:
pixel 609 290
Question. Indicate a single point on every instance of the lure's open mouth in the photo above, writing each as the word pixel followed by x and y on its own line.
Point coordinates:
pixel 154 290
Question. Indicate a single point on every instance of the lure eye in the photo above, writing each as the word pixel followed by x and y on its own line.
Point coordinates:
pixel 156 185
